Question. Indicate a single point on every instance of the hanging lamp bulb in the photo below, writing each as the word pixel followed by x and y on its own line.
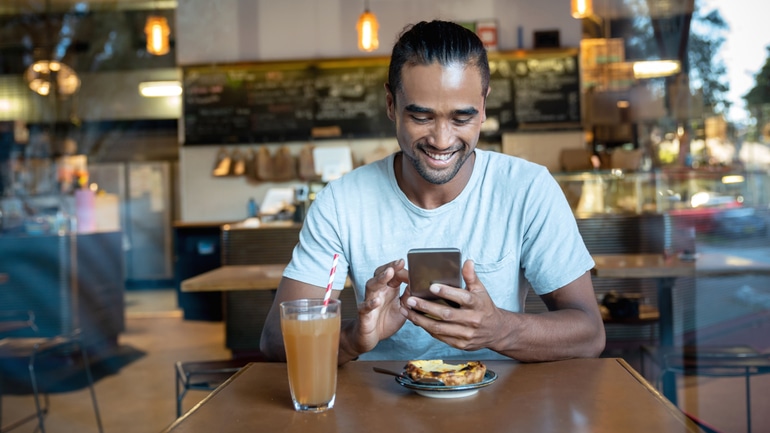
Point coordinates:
pixel 582 8
pixel 45 76
pixel 368 27
pixel 157 32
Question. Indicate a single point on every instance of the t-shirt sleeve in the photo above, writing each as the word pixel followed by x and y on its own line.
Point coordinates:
pixel 319 240
pixel 553 251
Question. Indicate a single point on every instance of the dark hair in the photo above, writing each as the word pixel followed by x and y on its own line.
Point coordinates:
pixel 444 42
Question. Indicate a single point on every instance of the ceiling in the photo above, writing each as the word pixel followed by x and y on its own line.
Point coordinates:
pixel 13 7
pixel 603 8
pixel 614 9
pixel 87 39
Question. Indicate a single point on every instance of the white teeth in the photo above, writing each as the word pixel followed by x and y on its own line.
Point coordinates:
pixel 440 156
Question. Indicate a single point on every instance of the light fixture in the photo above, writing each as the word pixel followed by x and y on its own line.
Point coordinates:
pixel 45 75
pixel 656 68
pixel 732 178
pixel 156 89
pixel 582 9
pixel 157 32
pixel 367 27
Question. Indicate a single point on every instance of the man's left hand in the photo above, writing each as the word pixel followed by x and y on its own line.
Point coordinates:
pixel 476 324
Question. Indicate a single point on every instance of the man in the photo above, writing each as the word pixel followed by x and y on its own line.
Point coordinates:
pixel 507 216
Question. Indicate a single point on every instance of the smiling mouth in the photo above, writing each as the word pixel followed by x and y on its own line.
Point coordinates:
pixel 440 156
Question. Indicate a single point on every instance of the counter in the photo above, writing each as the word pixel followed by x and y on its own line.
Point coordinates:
pixel 69 281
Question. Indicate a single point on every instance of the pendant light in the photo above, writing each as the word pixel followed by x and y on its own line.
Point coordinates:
pixel 582 8
pixel 367 26
pixel 48 75
pixel 157 32
pixel 43 75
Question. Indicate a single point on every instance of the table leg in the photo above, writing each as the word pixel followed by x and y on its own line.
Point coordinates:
pixel 666 330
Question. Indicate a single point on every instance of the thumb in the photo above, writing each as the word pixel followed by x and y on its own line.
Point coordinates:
pixel 472 282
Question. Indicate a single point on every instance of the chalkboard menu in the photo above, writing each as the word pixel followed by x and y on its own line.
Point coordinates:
pixel 547 90
pixel 352 100
pixel 248 104
pixel 274 102
pixel 534 88
pixel 295 101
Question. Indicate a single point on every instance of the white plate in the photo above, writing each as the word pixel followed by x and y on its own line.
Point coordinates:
pixel 442 391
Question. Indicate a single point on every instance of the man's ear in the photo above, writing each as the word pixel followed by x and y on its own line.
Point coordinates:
pixel 390 103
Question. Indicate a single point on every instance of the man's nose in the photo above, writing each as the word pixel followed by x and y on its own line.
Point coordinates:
pixel 442 134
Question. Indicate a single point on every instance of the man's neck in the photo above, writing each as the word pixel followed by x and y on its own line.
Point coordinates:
pixel 428 195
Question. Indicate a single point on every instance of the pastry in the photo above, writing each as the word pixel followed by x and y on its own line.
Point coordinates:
pixel 450 374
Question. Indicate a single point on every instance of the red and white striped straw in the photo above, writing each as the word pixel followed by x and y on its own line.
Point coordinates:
pixel 328 293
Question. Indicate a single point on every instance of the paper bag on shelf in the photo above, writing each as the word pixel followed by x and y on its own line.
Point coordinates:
pixel 222 164
pixel 238 163
pixel 306 164
pixel 284 165
pixel 264 164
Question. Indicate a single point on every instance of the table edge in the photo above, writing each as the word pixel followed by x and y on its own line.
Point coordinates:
pixel 673 409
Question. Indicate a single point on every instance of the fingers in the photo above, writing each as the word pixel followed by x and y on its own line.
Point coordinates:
pixel 383 273
pixel 434 310
pixel 383 286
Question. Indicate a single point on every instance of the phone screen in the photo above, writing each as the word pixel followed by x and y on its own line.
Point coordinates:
pixel 434 265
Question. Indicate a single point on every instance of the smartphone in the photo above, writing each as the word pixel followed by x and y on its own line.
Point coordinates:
pixel 434 265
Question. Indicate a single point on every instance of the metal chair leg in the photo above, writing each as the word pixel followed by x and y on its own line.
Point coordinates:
pixel 89 376
pixel 748 400
pixel 178 395
pixel 747 380
pixel 42 410
pixel 35 392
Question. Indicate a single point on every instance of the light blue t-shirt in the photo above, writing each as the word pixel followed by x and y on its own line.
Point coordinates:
pixel 511 219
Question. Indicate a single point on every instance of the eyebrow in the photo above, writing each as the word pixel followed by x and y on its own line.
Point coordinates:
pixel 414 108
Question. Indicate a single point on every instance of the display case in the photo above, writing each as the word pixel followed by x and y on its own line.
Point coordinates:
pixel 675 191
pixel 662 212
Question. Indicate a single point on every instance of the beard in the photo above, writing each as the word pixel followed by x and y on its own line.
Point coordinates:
pixel 437 177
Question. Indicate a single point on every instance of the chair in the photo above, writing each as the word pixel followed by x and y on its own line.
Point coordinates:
pixel 711 361
pixel 205 375
pixel 11 322
pixel 21 349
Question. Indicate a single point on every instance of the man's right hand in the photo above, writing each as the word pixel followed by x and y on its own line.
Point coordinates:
pixel 379 315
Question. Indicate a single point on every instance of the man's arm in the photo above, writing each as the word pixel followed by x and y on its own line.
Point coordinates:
pixel 572 328
pixel 379 315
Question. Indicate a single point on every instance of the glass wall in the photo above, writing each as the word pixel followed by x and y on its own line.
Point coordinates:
pixel 691 141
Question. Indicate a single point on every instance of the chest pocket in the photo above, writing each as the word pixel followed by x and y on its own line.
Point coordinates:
pixel 502 280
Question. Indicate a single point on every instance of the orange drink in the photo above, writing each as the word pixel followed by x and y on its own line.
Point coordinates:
pixel 311 336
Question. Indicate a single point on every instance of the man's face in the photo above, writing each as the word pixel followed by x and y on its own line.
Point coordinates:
pixel 438 117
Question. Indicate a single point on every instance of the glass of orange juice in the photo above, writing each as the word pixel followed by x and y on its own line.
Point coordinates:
pixel 311 336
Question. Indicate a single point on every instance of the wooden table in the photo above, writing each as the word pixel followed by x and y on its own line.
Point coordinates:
pixel 655 266
pixel 233 278
pixel 666 271
pixel 248 292
pixel 582 395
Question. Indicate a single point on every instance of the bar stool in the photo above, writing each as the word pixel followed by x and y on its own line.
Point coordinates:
pixel 711 361
pixel 205 375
